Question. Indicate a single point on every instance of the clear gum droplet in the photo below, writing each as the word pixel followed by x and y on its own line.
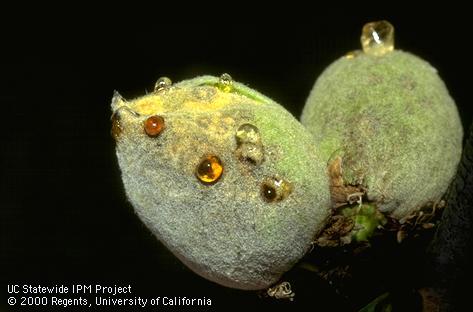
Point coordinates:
pixel 225 83
pixel 377 38
pixel 162 84
pixel 247 133
pixel 249 145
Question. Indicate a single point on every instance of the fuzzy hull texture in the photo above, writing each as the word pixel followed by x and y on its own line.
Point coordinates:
pixel 394 125
pixel 225 231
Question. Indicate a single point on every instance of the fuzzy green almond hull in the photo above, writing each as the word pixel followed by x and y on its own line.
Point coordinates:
pixel 232 183
pixel 393 126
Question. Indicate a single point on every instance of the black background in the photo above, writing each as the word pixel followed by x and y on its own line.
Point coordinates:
pixel 64 217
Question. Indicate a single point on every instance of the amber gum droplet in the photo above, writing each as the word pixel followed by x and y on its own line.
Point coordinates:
pixel 269 192
pixel 377 38
pixel 225 83
pixel 248 133
pixel 117 121
pixel 116 126
pixel 209 170
pixel 154 125
pixel 162 84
